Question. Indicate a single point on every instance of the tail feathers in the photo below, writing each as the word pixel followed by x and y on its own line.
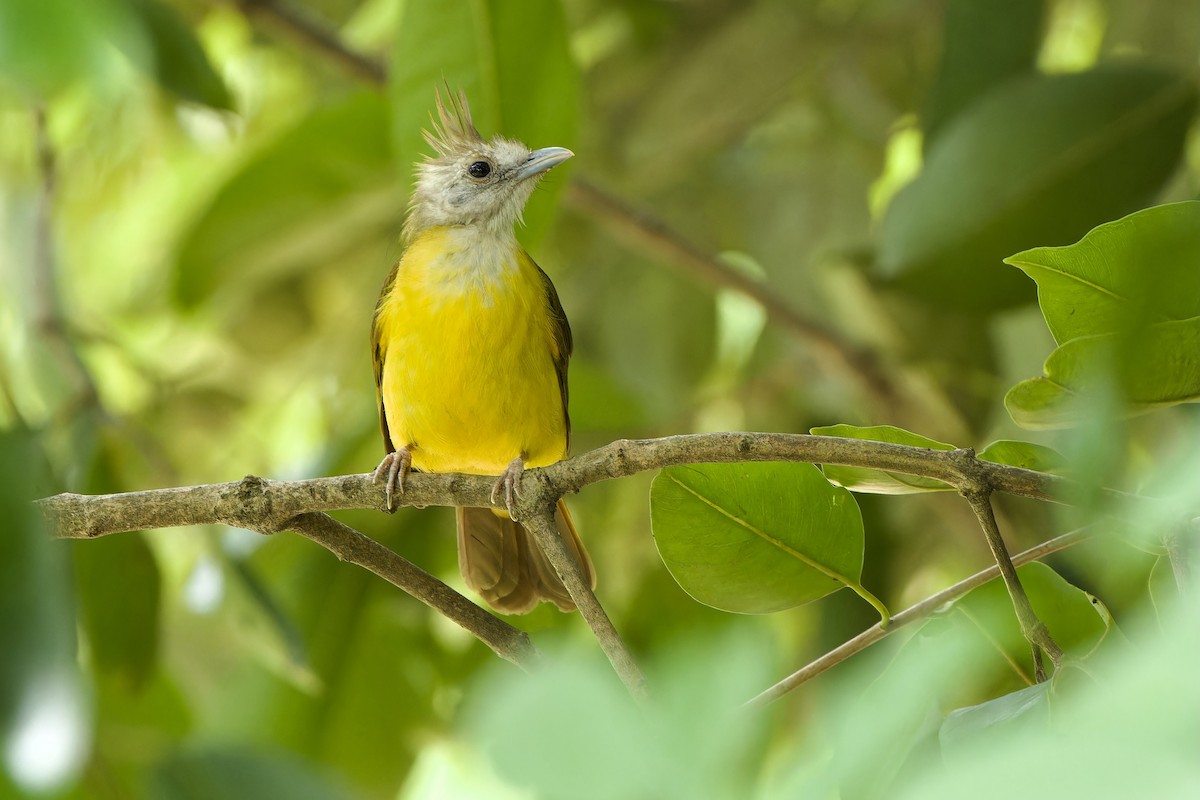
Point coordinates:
pixel 500 560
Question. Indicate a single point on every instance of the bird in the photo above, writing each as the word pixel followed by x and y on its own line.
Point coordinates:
pixel 470 345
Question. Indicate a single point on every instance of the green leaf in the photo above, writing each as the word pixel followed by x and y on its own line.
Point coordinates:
pixel 177 58
pixel 239 774
pixel 47 45
pixel 986 42
pixel 313 193
pixel 1077 621
pixel 877 481
pixel 118 582
pixel 756 538
pixel 39 681
pixel 1041 160
pixel 1163 369
pixel 513 61
pixel 1121 275
pixel 1007 715
pixel 1025 455
pixel 694 741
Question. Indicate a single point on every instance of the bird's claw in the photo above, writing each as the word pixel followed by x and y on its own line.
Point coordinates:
pixel 510 483
pixel 395 466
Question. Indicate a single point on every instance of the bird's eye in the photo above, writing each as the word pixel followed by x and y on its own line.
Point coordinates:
pixel 480 169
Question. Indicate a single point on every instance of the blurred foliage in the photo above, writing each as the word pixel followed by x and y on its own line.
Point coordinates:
pixel 196 211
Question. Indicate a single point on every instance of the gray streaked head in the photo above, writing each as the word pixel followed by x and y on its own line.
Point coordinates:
pixel 470 181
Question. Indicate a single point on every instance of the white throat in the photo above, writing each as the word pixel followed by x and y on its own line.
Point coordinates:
pixel 478 257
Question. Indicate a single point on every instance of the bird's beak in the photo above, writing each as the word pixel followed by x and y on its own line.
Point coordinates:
pixel 541 160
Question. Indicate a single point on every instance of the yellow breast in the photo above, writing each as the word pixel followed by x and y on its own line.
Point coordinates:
pixel 468 380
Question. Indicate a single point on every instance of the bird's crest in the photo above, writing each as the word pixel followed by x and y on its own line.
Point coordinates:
pixel 453 131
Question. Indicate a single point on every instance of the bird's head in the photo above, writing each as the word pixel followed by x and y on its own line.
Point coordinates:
pixel 470 181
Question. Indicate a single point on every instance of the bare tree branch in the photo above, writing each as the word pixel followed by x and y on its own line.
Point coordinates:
pixel 645 233
pixel 545 532
pixel 315 35
pixel 913 613
pixel 48 319
pixel 977 489
pixel 257 503
pixel 357 548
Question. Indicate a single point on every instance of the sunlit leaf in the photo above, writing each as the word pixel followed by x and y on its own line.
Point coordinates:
pixel 513 62
pixel 756 538
pixel 1025 455
pixel 877 481
pixel 1121 275
pixel 1040 161
pixel 47 45
pixel 311 194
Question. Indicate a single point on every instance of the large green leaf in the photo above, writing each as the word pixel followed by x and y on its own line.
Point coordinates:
pixel 1041 160
pixel 311 194
pixel 1025 455
pixel 513 61
pixel 177 58
pixel 756 538
pixel 40 689
pixel 119 591
pixel 1006 715
pixel 985 43
pixel 1142 268
pixel 1077 621
pixel 1161 367
pixel 877 481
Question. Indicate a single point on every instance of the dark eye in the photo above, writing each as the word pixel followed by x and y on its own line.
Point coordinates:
pixel 480 169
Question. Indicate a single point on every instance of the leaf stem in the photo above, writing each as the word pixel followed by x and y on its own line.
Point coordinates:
pixel 885 616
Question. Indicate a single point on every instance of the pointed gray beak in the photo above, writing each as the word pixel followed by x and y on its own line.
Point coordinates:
pixel 542 160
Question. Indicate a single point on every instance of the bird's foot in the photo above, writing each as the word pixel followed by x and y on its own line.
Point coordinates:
pixel 395 467
pixel 510 484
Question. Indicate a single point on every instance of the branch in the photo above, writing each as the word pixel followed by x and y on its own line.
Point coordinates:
pixel 357 548
pixel 978 492
pixel 313 34
pixel 914 613
pixel 646 233
pixel 254 502
pixel 49 320
pixel 545 532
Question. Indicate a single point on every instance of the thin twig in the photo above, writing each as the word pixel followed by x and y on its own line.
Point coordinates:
pixel 644 232
pixel 1031 624
pixel 545 532
pixel 913 613
pixel 314 34
pixel 355 547
pixel 49 320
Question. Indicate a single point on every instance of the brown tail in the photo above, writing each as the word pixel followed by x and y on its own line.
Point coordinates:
pixel 501 561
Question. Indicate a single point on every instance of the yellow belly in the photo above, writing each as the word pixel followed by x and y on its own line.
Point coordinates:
pixel 468 379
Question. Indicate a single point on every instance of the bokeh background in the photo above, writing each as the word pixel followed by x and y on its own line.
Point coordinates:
pixel 200 200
